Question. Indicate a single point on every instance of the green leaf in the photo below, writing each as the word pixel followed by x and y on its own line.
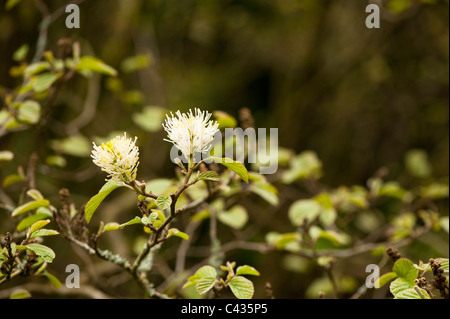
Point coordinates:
pixel 405 269
pixel 208 176
pixel 37 67
pixel 358 196
pixel 399 285
pixel 331 236
pixel 435 191
pixel 147 220
pixel 328 217
pixel 201 215
pixel 303 209
pixel 404 225
pixel 163 202
pixel 111 226
pixel 12 179
pixel 150 119
pixel 30 206
pixel 224 120
pixel 38 225
pixel 266 191
pixel 160 186
pixel 135 220
pixel 246 270
pixel 272 237
pixel 134 63
pixel 76 145
pixel 378 251
pixel 12 123
pixel 324 261
pixel 160 214
pixel 204 284
pixel 411 293
pixel 43 81
pixel 150 219
pixel 157 223
pixel 95 201
pixel 30 220
pixel 43 251
pixel 383 280
pixel 21 53
pixel 44 232
pixel 29 112
pixel 6 155
pixel 444 265
pixel 236 167
pixel 304 165
pixel 392 189
pixel 398 6
pixel 236 217
pixel 417 163
pixel 53 280
pixel 20 294
pixel 133 97
pixel 286 240
pixel 35 194
pixel 176 232
pixel 89 63
pixel 328 239
pixel 324 199
pixel 241 287
pixel 4 116
pixel 204 271
pixel 56 160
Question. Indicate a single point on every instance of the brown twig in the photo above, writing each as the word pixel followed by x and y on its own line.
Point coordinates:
pixel 269 291
pixel 332 277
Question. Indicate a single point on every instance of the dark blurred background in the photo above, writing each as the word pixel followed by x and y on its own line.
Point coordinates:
pixel 360 98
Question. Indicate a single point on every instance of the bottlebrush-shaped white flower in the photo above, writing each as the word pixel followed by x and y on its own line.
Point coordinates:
pixel 191 133
pixel 119 158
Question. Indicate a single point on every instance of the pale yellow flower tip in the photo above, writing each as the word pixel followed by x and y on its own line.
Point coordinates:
pixel 191 133
pixel 118 157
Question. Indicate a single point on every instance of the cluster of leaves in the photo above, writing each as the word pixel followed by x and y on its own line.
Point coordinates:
pixel 328 224
pixel 205 279
pixel 317 217
pixel 40 82
pixel 408 279
pixel 320 233
pixel 23 107
pixel 30 257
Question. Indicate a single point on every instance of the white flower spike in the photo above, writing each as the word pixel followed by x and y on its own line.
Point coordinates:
pixel 191 133
pixel 119 158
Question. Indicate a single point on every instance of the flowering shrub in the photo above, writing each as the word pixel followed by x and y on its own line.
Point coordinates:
pixel 209 226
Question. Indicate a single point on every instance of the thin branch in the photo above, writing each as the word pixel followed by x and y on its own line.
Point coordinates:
pixel 31 170
pixel 89 107
pixel 362 248
pixel 155 237
pixel 239 244
pixel 184 247
pixel 332 277
pixel 417 289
